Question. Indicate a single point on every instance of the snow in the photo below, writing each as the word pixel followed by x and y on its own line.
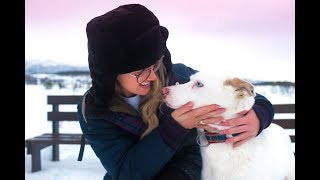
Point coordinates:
pixel 68 167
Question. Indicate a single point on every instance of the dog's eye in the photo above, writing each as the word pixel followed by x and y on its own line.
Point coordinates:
pixel 199 84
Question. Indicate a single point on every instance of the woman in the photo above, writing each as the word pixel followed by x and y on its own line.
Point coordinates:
pixel 133 134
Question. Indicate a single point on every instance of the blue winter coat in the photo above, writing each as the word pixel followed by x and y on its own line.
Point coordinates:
pixel 168 149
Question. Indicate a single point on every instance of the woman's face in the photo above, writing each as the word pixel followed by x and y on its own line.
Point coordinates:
pixel 138 82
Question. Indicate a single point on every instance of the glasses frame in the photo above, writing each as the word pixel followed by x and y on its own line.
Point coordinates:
pixel 147 70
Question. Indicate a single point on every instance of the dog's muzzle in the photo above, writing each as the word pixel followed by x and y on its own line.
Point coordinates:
pixel 164 92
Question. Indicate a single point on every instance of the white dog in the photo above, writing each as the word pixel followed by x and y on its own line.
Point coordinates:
pixel 269 156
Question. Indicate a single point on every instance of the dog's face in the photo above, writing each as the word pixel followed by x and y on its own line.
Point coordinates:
pixel 232 93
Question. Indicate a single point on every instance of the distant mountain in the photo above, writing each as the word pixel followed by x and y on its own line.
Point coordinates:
pixel 37 67
pixel 50 73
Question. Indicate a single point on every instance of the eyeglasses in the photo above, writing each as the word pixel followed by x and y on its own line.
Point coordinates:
pixel 145 73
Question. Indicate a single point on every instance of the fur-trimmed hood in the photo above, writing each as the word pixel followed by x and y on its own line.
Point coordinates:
pixel 123 40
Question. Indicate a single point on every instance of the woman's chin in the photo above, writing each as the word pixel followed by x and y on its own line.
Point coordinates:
pixel 144 92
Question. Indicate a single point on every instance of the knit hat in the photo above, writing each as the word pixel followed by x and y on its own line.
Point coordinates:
pixel 123 40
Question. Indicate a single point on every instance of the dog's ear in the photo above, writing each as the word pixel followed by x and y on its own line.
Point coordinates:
pixel 240 85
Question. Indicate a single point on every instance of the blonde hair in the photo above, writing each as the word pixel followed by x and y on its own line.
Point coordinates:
pixel 148 104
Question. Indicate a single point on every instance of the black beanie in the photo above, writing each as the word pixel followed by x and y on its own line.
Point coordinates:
pixel 123 40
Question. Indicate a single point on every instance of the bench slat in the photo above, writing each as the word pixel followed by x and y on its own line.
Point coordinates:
pixel 56 139
pixel 62 116
pixel 286 124
pixel 60 134
pixel 63 99
pixel 284 108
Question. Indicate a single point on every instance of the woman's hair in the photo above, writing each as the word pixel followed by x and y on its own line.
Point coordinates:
pixel 148 105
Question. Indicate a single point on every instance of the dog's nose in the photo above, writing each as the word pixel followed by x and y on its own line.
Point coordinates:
pixel 164 92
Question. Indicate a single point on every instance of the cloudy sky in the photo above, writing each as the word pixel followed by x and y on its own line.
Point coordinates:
pixel 252 38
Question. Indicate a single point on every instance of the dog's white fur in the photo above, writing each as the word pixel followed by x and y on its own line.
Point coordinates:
pixel 269 156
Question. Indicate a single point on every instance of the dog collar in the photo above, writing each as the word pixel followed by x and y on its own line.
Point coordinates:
pixel 217 138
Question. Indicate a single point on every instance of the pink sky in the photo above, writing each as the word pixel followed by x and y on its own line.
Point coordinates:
pixel 271 14
pixel 250 29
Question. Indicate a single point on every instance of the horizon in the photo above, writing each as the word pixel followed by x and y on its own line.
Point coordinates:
pixel 48 63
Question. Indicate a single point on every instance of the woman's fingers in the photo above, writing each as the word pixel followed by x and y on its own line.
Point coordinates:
pixel 208 128
pixel 190 118
pixel 183 109
pixel 204 111
pixel 239 139
pixel 211 116
pixel 236 129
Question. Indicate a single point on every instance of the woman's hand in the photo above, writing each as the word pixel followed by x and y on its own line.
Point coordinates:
pixel 248 126
pixel 190 118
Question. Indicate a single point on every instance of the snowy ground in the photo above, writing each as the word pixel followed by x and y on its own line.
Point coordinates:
pixel 68 168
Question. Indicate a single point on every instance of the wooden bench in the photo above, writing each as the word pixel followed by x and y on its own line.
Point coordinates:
pixel 36 144
pixel 288 122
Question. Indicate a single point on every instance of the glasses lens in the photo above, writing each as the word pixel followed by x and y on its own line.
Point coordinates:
pixel 144 75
